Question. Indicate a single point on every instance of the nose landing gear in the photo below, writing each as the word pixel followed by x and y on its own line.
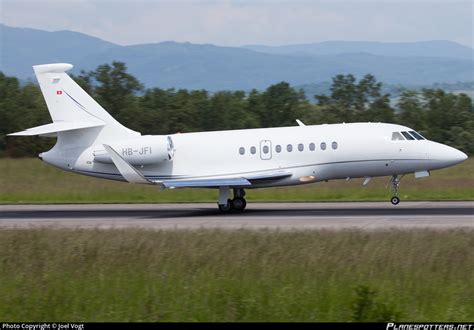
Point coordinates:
pixel 394 185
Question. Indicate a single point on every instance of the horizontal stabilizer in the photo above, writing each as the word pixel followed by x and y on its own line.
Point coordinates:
pixel 130 173
pixel 58 127
pixel 52 68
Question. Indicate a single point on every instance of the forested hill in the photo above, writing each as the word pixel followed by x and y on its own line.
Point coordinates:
pixel 214 68
pixel 437 114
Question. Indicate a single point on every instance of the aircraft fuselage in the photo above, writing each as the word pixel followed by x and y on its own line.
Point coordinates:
pixel 311 153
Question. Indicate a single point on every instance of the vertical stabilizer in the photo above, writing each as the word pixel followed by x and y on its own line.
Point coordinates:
pixel 68 103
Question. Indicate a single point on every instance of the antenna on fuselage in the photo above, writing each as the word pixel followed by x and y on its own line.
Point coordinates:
pixel 300 123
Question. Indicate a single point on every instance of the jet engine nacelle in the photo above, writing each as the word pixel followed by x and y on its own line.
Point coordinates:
pixel 145 150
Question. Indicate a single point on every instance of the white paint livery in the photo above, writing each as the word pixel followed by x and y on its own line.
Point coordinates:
pixel 91 142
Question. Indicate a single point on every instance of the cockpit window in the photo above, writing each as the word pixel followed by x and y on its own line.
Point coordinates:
pixel 408 136
pixel 417 135
pixel 396 136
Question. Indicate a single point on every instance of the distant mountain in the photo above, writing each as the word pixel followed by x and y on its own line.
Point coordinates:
pixel 437 48
pixel 192 66
pixel 23 47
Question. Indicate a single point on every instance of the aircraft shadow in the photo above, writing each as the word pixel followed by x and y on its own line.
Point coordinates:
pixel 212 212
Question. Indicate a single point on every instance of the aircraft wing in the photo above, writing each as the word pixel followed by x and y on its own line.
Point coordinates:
pixel 130 173
pixel 268 176
pixel 205 183
pixel 238 181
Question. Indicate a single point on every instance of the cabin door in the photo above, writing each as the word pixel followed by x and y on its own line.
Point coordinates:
pixel 266 149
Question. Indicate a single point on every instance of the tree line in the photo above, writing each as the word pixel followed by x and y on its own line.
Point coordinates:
pixel 440 116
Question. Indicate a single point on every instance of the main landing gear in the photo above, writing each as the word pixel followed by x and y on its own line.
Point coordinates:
pixel 237 204
pixel 394 185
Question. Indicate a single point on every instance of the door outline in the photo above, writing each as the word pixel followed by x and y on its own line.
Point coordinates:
pixel 266 156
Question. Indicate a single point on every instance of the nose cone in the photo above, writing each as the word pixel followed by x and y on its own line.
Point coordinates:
pixel 444 156
pixel 454 156
pixel 461 156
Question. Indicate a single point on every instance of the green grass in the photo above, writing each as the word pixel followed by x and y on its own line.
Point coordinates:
pixel 32 181
pixel 206 275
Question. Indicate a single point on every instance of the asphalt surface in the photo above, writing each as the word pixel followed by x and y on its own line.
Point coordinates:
pixel 285 216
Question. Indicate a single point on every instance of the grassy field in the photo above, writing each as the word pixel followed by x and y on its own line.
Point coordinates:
pixel 32 181
pixel 141 275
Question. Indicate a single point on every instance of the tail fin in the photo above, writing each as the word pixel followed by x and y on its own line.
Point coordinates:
pixel 71 108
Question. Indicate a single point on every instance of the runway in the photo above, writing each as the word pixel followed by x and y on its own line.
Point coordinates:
pixel 283 216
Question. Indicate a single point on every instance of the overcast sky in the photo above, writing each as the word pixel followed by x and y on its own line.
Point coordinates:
pixel 236 23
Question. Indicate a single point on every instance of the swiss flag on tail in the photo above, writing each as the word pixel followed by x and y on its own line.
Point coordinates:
pixel 59 92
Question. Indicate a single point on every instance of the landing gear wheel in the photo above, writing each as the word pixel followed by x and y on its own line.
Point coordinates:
pixel 394 185
pixel 239 203
pixel 227 205
pixel 226 208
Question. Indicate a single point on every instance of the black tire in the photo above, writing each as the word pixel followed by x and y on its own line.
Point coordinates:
pixel 239 203
pixel 395 200
pixel 226 208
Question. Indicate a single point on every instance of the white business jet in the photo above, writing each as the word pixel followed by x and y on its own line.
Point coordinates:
pixel 91 142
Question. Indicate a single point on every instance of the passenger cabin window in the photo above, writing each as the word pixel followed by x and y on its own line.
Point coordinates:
pixel 396 136
pixel 253 150
pixel 241 150
pixel 417 135
pixel 408 136
pixel 265 149
pixel 278 148
pixel 289 148
pixel 300 147
pixel 334 145
pixel 323 146
pixel 312 146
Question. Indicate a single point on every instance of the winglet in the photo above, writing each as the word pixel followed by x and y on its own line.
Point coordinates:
pixel 300 123
pixel 128 171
